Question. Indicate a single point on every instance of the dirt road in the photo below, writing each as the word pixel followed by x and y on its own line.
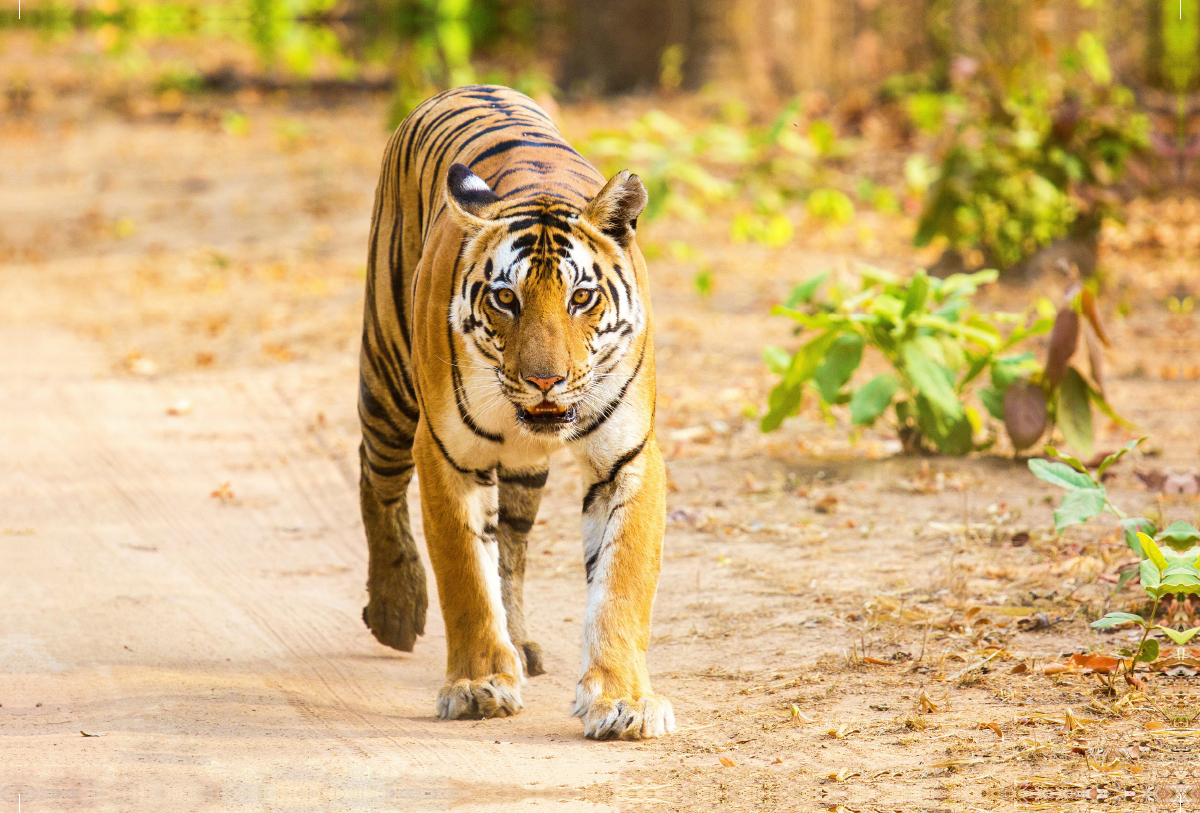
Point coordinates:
pixel 215 643
pixel 189 586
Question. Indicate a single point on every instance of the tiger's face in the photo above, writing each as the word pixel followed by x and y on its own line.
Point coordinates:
pixel 548 303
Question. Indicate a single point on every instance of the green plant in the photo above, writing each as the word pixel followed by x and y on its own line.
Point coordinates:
pixel 1060 394
pixel 1033 154
pixel 1162 572
pixel 936 344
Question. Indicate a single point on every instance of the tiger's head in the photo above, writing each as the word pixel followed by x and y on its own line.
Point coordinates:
pixel 548 301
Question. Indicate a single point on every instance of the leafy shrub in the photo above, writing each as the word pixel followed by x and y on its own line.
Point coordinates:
pixel 927 331
pixel 1030 157
pixel 1059 394
pixel 1168 558
pixel 939 348
pixel 761 169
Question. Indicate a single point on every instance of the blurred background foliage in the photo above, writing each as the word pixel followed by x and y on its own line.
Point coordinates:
pixel 1012 126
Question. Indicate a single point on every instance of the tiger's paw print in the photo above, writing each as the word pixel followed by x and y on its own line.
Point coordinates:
pixel 496 695
pixel 626 718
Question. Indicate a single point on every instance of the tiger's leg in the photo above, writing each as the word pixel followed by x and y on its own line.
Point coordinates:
pixel 483 668
pixel 395 611
pixel 520 495
pixel 623 525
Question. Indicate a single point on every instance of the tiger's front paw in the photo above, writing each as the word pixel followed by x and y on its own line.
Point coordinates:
pixel 395 614
pixel 624 718
pixel 496 695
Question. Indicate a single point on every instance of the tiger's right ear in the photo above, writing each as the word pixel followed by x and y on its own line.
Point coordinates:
pixel 471 201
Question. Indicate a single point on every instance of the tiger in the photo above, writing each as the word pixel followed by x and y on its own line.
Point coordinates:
pixel 507 316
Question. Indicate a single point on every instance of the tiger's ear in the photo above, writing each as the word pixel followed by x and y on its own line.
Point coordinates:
pixel 615 210
pixel 471 201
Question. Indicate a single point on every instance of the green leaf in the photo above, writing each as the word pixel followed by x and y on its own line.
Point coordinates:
pixel 1152 551
pixel 952 437
pixel 1180 578
pixel 872 400
pixel 1006 370
pixel 918 292
pixel 1079 506
pixel 841 360
pixel 1060 474
pixel 1116 619
pixel 1151 578
pixel 808 358
pixel 1180 638
pixel 1148 651
pixel 1113 458
pixel 993 402
pixel 1131 526
pixel 1073 462
pixel 931 379
pixel 1109 412
pixel 783 401
pixel 803 293
pixel 1125 578
pixel 777 359
pixel 1075 412
pixel 1179 535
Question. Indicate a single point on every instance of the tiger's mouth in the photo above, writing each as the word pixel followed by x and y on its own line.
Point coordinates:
pixel 546 415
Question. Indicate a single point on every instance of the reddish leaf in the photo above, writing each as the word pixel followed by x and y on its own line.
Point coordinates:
pixel 1024 414
pixel 1087 305
pixel 1103 664
pixel 1064 338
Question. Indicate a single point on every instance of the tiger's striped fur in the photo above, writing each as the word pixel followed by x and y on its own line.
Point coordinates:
pixel 507 315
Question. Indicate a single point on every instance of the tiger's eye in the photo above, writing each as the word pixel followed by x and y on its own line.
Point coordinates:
pixel 582 296
pixel 505 296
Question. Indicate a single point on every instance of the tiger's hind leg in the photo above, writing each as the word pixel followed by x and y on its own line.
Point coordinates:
pixel 395 612
pixel 520 496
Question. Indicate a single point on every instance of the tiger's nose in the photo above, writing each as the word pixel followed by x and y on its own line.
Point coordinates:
pixel 543 383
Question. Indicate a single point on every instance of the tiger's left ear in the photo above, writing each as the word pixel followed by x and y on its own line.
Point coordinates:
pixel 615 210
pixel 471 201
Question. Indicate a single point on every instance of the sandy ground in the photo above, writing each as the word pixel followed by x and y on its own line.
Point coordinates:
pixel 836 624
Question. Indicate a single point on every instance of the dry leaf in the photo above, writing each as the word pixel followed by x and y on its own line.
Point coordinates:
pixel 843 775
pixel 993 727
pixel 778 760
pixel 1103 664
pixel 843 731
pixel 826 505
pixel 727 762
pixel 878 662
pixel 798 715
pixel 1056 668
pixel 1155 725
pixel 926 704
pixel 86 734
pixel 181 407
pixel 223 492
pixel 1020 669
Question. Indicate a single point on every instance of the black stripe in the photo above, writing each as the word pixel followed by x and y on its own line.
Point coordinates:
pixel 521 525
pixel 612 405
pixel 594 490
pixel 525 479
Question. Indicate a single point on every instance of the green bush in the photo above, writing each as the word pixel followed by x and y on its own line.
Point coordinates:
pixel 936 344
pixel 1030 156
pixel 939 347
